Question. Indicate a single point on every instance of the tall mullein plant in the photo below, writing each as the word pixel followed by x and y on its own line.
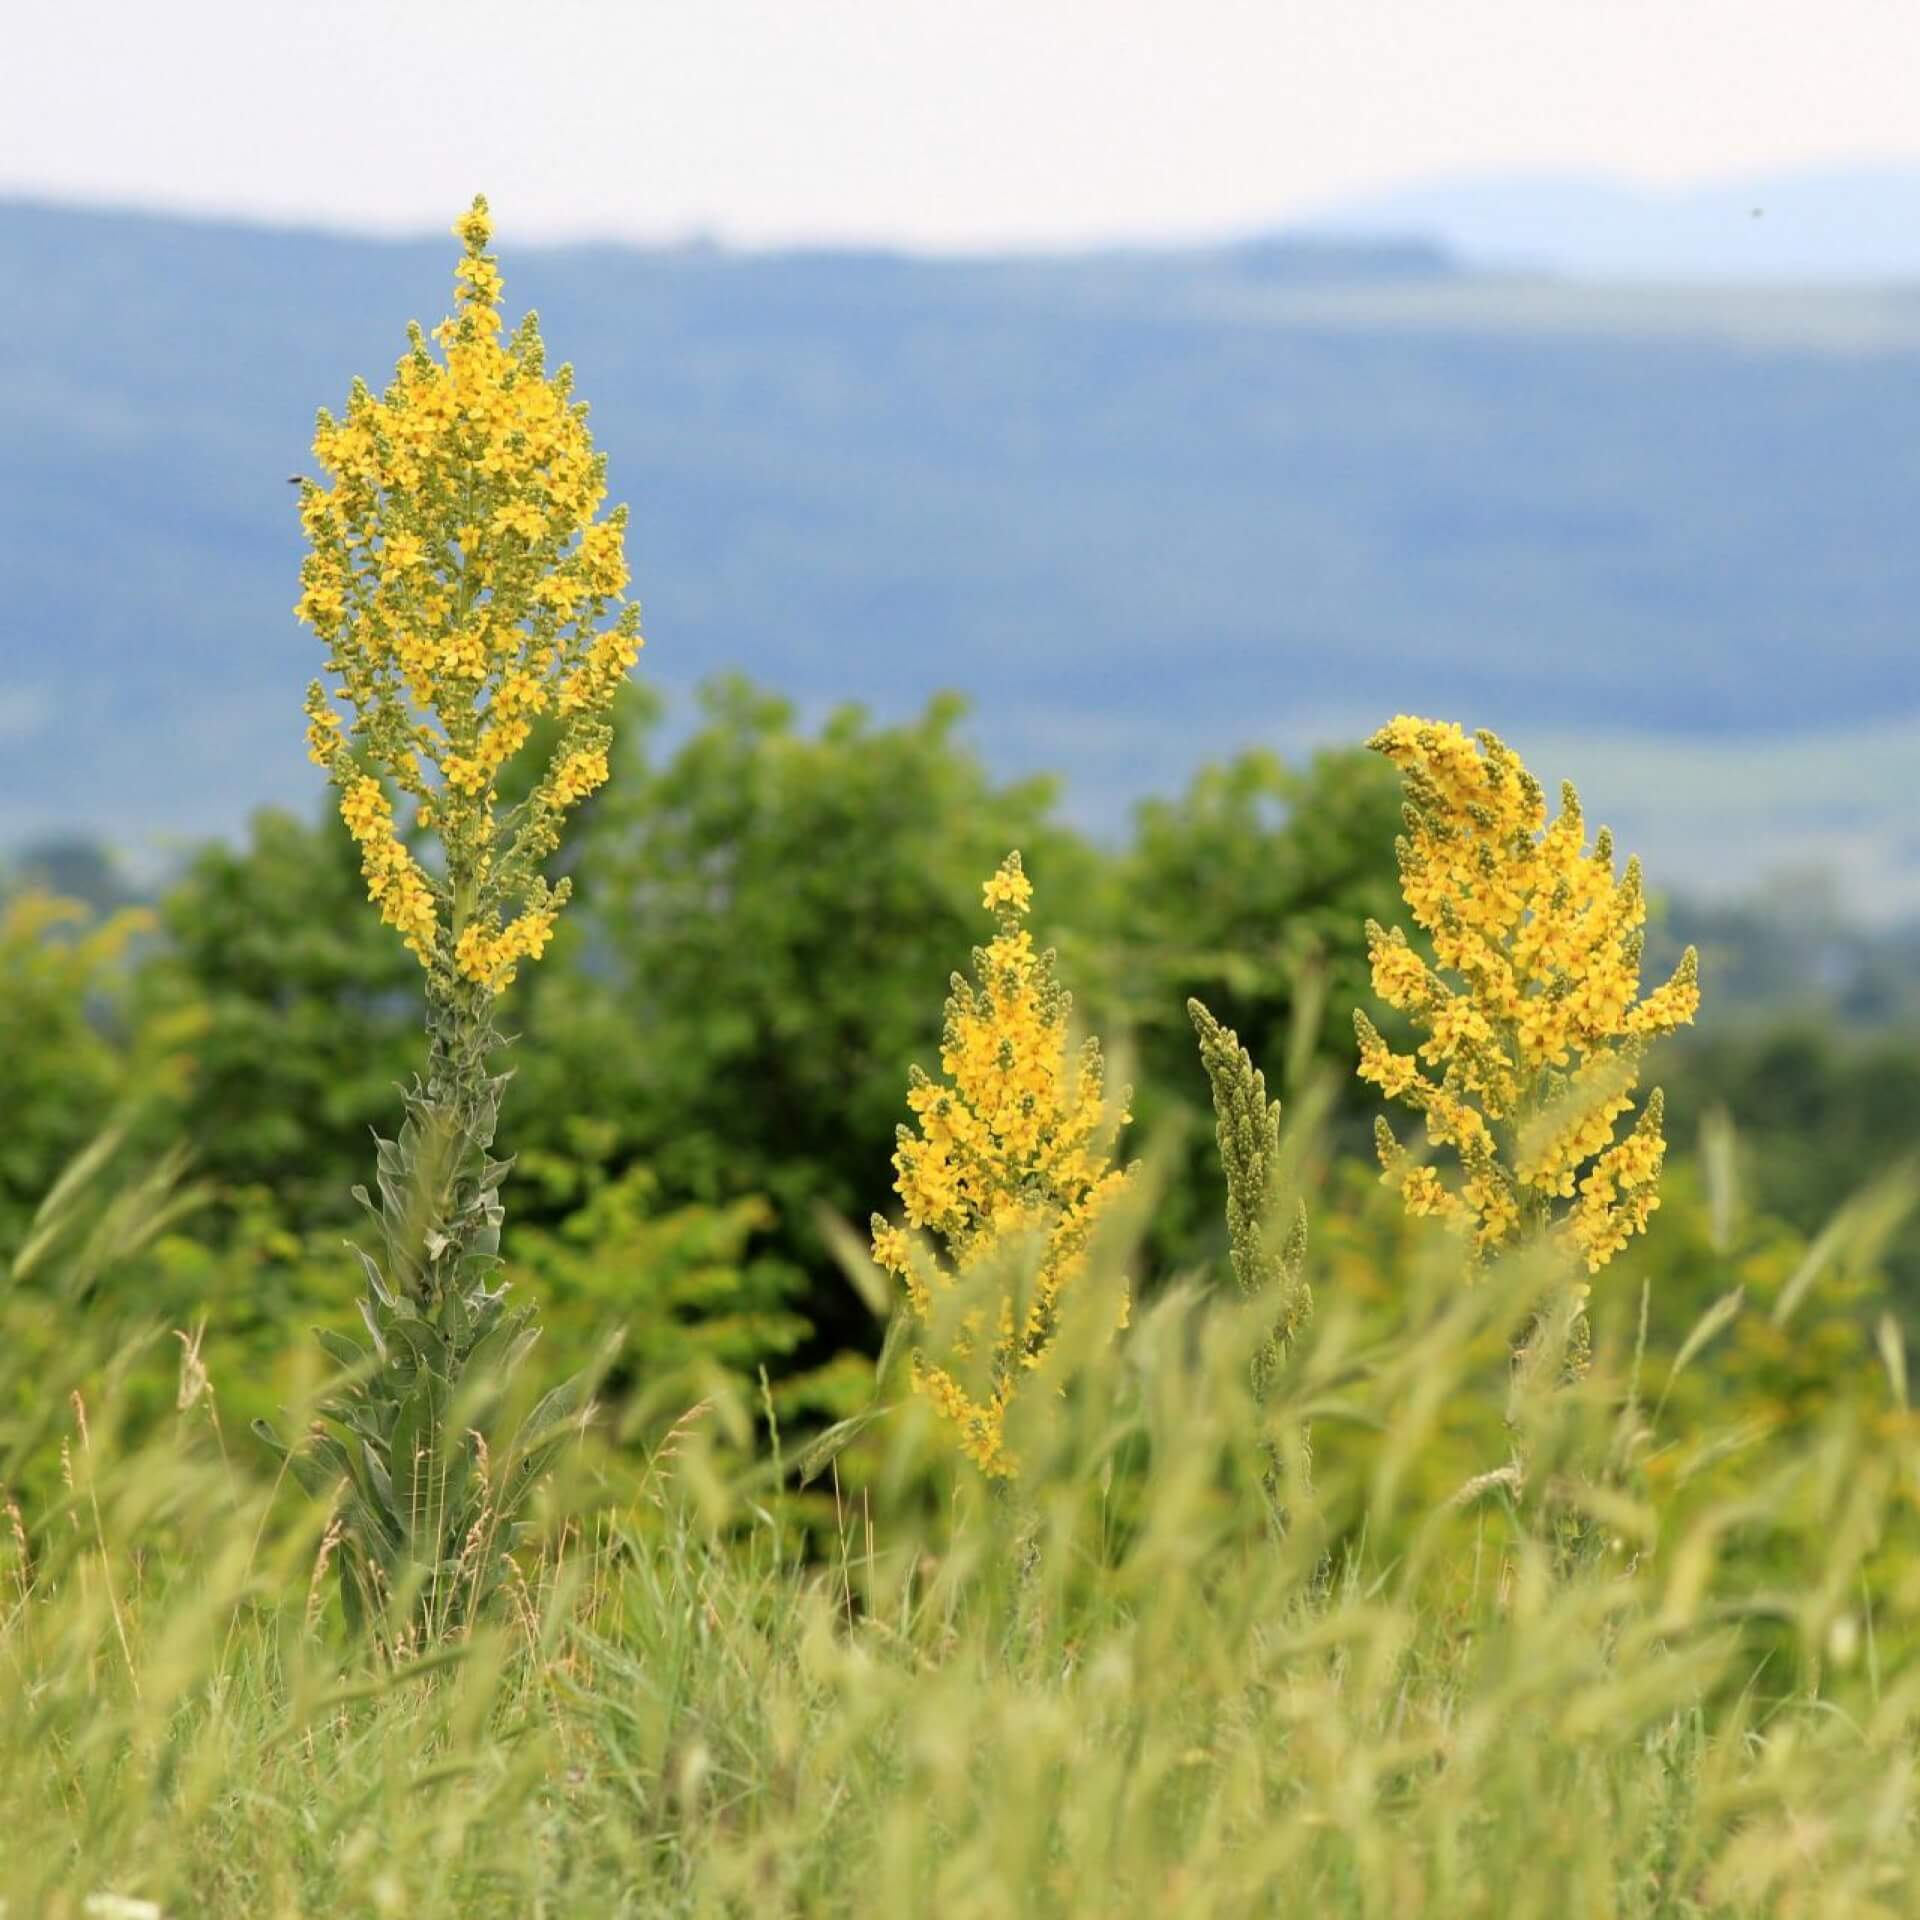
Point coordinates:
pixel 1531 1023
pixel 466 585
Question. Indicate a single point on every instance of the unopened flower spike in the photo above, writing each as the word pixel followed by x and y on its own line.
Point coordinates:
pixel 1268 1255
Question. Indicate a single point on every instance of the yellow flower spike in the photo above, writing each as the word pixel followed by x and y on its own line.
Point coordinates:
pixel 1536 1037
pixel 1015 1142
pixel 465 587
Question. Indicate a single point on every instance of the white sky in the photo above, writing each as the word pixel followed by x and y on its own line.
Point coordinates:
pixel 938 123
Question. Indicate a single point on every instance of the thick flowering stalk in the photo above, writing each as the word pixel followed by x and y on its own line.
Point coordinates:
pixel 1533 1026
pixel 465 590
pixel 1013 1147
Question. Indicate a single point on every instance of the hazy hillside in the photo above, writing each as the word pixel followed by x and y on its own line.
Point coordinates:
pixel 1143 507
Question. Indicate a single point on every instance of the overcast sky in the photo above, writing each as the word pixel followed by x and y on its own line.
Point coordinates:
pixel 937 123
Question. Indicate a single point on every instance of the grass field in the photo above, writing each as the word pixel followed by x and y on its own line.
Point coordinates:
pixel 1121 1692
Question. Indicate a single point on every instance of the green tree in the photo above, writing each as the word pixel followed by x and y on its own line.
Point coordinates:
pixel 309 1014
pixel 777 910
pixel 74 1059
pixel 1246 893
pixel 1821 1113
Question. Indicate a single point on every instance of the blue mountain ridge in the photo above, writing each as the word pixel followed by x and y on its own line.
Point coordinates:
pixel 1144 507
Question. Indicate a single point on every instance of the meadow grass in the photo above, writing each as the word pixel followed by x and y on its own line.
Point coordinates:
pixel 1121 1690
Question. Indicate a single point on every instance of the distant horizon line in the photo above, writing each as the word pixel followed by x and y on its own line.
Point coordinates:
pixel 1346 220
pixel 705 239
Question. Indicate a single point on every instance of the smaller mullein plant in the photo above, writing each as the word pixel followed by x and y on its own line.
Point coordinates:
pixel 466 587
pixel 1010 1171
pixel 1268 1253
pixel 1532 1026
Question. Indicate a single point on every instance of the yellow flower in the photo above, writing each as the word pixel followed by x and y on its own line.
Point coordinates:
pixel 492 956
pixel 480 281
pixel 979 1426
pixel 576 777
pixel 323 602
pixel 474 229
pixel 401 554
pixel 521 517
pixel 1393 1073
pixel 1400 976
pixel 1537 1046
pixel 364 808
pixel 1424 1193
pixel 1009 887
pixel 1015 1143
pixel 324 738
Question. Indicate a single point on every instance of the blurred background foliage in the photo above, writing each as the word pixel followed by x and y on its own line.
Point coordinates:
pixel 716 1050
